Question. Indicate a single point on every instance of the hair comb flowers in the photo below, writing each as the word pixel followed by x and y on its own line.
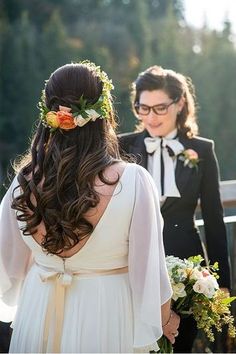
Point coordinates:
pixel 77 115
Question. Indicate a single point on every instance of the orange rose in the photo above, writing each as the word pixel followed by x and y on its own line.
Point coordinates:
pixel 66 120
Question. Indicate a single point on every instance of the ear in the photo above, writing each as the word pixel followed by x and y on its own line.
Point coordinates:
pixel 180 104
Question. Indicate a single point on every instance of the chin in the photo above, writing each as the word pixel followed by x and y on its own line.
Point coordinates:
pixel 156 132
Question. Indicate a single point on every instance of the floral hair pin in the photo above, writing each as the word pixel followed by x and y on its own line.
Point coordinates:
pixel 77 115
pixel 189 157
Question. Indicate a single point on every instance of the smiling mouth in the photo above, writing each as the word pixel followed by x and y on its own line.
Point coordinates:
pixel 156 125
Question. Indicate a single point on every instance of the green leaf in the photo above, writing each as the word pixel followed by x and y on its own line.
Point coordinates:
pixel 196 259
pixel 75 108
pixel 228 300
pixel 84 114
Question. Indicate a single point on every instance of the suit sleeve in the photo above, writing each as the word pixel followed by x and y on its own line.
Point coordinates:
pixel 212 213
pixel 149 279
pixel 15 258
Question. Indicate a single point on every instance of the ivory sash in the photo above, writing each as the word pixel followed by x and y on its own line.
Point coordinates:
pixel 63 280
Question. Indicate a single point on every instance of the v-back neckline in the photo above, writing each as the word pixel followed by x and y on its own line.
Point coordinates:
pixel 96 227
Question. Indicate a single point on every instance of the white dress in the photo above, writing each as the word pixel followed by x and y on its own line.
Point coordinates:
pixel 89 302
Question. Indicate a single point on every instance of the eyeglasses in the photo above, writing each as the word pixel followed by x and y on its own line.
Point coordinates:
pixel 160 109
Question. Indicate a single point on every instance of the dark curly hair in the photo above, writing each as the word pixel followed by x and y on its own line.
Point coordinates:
pixel 175 85
pixel 60 168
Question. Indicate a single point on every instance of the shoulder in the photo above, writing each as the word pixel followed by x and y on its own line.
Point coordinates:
pixel 128 137
pixel 115 170
pixel 203 141
pixel 200 144
pixel 118 169
pixel 128 134
pixel 204 148
pixel 129 141
pixel 145 188
pixel 10 192
pixel 141 174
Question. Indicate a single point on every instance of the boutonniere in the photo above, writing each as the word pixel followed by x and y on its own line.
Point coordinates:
pixel 189 157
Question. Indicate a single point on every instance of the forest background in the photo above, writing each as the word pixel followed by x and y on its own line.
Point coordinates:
pixel 124 37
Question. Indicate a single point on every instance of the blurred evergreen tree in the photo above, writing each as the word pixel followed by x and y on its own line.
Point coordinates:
pixel 26 61
pixel 124 37
pixel 218 61
pixel 53 47
pixel 19 66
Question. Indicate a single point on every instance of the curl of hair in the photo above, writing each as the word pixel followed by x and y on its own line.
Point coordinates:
pixel 57 176
pixel 175 85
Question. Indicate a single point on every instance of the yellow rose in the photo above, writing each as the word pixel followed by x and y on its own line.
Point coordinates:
pixel 52 120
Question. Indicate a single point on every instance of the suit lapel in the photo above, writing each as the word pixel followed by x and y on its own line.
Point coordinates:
pixel 182 175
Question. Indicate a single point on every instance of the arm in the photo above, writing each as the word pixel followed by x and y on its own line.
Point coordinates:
pixel 171 323
pixel 149 279
pixel 166 313
pixel 15 257
pixel 212 213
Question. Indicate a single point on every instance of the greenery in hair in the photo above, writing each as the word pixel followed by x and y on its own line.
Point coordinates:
pixel 81 113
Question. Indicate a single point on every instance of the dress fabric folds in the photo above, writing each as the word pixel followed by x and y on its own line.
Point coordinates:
pixel 88 302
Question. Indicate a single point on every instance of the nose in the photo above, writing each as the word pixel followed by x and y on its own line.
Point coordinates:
pixel 152 115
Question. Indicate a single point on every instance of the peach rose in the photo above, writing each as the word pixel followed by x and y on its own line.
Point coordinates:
pixel 64 108
pixel 66 120
pixel 191 154
pixel 52 120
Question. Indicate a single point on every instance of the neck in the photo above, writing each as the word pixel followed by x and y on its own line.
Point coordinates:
pixel 170 135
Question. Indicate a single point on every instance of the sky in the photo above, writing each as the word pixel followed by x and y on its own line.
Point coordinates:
pixel 213 11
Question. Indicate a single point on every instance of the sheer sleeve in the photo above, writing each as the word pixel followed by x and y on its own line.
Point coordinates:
pixel 149 279
pixel 15 257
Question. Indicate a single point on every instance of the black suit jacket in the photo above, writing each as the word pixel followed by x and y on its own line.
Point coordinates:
pixel 181 237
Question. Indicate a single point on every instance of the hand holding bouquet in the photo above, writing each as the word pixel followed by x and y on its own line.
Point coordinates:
pixel 196 292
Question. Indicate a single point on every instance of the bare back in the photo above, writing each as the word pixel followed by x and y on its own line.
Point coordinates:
pixel 105 192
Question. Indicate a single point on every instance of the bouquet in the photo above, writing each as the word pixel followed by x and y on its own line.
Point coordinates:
pixel 196 292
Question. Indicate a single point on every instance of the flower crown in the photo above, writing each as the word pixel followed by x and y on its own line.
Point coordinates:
pixel 78 115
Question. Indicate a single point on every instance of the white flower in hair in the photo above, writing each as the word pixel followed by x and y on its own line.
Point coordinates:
pixel 92 114
pixel 80 121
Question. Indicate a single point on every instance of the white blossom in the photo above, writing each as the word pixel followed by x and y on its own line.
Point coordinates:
pixel 196 274
pixel 92 114
pixel 80 121
pixel 178 291
pixel 206 286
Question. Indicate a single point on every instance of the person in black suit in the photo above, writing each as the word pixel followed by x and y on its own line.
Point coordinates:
pixel 184 167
